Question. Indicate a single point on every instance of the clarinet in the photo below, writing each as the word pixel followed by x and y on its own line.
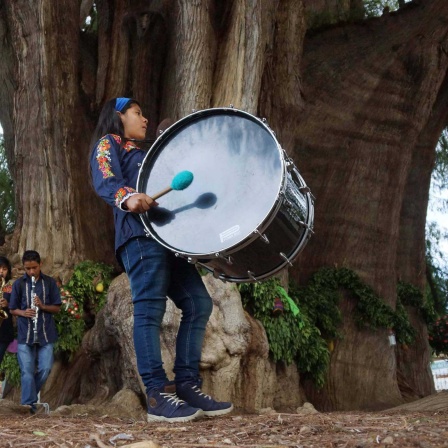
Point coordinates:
pixel 36 309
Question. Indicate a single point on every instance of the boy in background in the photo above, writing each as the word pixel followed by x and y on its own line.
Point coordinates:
pixel 35 326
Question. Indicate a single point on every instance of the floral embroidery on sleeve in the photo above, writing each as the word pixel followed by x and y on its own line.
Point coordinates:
pixel 129 146
pixel 122 194
pixel 117 138
pixel 103 158
pixel 103 155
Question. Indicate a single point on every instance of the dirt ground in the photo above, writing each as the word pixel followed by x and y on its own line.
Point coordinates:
pixel 273 430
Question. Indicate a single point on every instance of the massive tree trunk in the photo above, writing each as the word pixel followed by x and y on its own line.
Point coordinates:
pixel 359 107
pixel 47 139
pixel 413 360
pixel 371 87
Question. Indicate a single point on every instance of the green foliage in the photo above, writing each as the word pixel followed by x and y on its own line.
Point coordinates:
pixel 291 337
pixel 313 356
pixel 70 327
pixel 436 265
pixel 374 8
pixel 282 332
pixel 440 172
pixel 303 337
pixel 86 276
pixel 436 271
pixel 10 366
pixel 409 295
pixel 323 294
pixel 404 331
pixel 372 311
pixel 79 299
pixel 319 301
pixel 7 203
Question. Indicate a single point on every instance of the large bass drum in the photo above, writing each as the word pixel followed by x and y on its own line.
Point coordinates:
pixel 247 214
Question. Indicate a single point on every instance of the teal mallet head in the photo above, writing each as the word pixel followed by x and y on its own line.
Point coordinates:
pixel 180 181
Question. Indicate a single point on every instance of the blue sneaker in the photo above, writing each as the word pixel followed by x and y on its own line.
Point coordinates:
pixel 190 391
pixel 165 406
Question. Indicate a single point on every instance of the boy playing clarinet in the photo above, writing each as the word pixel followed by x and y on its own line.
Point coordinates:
pixel 34 299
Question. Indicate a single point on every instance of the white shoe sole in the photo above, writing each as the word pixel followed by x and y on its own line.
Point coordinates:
pixel 218 412
pixel 188 418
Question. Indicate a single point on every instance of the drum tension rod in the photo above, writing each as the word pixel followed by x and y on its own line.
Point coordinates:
pixel 228 260
pixel 192 260
pixel 263 236
pixel 306 226
pixel 286 258
pixel 252 276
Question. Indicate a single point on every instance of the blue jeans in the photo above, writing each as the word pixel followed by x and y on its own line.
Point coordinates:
pixel 35 364
pixel 155 273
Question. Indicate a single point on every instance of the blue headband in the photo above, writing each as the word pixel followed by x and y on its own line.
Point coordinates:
pixel 120 103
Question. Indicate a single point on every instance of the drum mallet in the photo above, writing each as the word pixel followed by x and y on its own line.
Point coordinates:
pixel 180 181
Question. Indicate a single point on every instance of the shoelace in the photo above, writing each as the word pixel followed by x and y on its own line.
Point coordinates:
pixel 199 391
pixel 172 398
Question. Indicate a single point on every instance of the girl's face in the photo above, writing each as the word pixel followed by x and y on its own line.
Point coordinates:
pixel 134 123
pixel 3 271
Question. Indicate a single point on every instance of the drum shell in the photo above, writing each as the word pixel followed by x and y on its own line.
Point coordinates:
pixel 287 233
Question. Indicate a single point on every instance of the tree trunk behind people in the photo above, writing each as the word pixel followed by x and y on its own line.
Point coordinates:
pixel 373 89
pixel 350 103
pixel 47 135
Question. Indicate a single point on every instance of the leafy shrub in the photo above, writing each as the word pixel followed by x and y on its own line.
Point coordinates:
pixel 292 335
pixel 10 365
pixel 307 337
pixel 81 298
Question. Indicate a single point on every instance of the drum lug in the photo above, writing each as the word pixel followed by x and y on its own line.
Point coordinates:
pixel 286 258
pixel 263 236
pixel 289 166
pixel 306 226
pixel 304 189
pixel 252 276
pixel 286 201
pixel 228 260
pixel 192 260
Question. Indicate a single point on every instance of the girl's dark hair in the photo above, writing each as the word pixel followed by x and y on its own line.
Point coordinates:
pixel 5 262
pixel 109 121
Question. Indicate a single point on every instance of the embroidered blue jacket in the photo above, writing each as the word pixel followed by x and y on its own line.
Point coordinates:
pixel 48 292
pixel 115 171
